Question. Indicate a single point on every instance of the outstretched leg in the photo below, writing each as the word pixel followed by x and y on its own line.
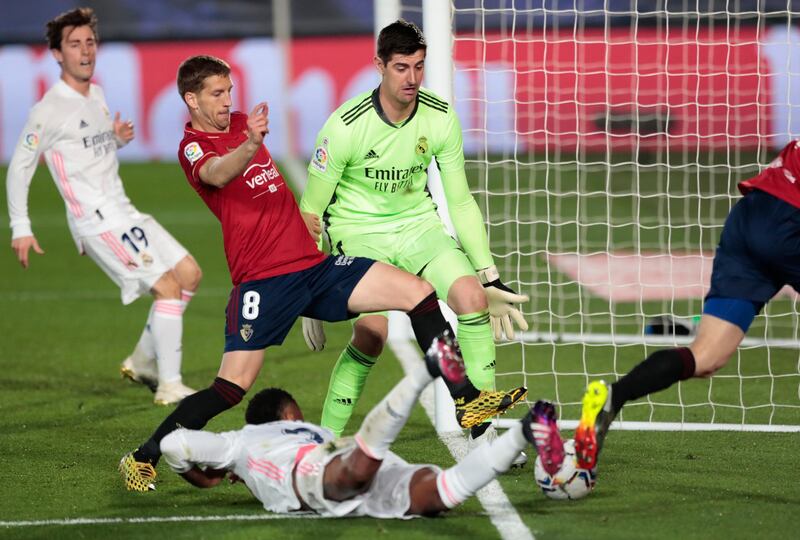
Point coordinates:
pixel 716 341
pixel 433 492
pixel 236 375
pixel 386 287
pixel 351 474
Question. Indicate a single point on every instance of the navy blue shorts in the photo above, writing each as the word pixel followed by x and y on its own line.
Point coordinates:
pixel 759 250
pixel 261 313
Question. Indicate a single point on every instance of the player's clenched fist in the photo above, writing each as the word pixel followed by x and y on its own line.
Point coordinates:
pixel 258 123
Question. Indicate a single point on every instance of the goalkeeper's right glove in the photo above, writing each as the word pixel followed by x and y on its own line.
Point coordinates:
pixel 501 299
pixel 313 334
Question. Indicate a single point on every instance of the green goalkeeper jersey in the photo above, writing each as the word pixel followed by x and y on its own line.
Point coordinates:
pixel 368 173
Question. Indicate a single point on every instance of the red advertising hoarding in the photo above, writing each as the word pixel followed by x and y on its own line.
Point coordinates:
pixel 606 90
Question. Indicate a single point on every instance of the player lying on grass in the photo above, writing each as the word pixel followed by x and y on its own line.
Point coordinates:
pixel 290 465
pixel 72 128
pixel 368 178
pixel 277 271
pixel 758 253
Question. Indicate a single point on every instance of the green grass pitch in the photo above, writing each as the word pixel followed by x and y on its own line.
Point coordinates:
pixel 66 417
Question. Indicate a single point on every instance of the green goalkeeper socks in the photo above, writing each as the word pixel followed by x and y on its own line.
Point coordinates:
pixel 347 381
pixel 477 347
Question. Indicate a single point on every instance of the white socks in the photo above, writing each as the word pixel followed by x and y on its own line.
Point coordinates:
pixel 166 329
pixel 145 351
pixel 162 336
pixel 480 467
pixel 383 423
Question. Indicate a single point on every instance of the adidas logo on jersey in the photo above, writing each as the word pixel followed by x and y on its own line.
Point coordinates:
pixel 371 154
pixel 83 124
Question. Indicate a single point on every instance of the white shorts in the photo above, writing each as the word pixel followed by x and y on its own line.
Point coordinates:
pixel 387 498
pixel 135 255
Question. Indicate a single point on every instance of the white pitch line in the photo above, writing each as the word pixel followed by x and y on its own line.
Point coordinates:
pixel 501 512
pixel 158 519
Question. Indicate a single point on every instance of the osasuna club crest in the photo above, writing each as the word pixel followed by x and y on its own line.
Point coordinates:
pixel 246 331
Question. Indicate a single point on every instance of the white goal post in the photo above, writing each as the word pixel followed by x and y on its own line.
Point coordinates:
pixel 604 148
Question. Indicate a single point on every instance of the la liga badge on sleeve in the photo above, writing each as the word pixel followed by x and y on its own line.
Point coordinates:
pixel 193 152
pixel 320 160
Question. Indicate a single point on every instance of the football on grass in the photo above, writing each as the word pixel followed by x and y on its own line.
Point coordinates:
pixel 570 482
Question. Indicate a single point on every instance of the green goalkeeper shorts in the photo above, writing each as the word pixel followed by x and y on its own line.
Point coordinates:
pixel 420 248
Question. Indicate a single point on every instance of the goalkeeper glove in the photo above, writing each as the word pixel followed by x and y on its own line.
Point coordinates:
pixel 501 299
pixel 313 334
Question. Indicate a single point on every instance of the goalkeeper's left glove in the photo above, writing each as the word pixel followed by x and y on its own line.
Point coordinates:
pixel 501 299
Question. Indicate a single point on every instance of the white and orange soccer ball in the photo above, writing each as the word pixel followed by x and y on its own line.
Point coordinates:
pixel 570 482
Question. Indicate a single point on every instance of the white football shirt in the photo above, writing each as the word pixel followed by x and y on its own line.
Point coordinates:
pixel 76 136
pixel 262 455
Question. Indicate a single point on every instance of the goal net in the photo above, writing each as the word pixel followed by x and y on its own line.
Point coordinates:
pixel 604 143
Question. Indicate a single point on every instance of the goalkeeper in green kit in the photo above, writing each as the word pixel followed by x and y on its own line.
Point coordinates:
pixel 368 181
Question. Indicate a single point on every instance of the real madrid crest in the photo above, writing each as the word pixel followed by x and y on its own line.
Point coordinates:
pixel 422 145
pixel 246 331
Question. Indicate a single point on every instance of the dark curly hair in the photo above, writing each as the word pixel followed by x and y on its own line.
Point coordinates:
pixel 267 406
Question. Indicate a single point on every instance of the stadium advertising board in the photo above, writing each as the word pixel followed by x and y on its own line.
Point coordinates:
pixel 606 90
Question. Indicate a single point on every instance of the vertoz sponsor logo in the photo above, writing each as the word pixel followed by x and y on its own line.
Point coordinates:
pixel 267 174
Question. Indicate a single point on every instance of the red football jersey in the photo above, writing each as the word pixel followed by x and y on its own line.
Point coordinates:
pixel 262 229
pixel 781 178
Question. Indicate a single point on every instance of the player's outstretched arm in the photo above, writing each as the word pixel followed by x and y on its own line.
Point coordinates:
pixel 22 246
pixel 31 144
pixel 466 218
pixel 200 457
pixel 218 171
pixel 316 197
pixel 468 222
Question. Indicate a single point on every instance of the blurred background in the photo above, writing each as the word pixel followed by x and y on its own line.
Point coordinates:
pixel 168 20
pixel 721 71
